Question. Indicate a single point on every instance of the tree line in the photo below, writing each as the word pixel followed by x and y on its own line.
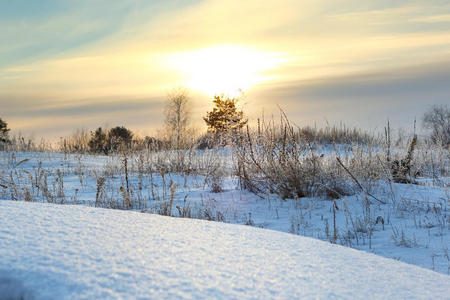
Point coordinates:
pixel 223 122
pixel 224 126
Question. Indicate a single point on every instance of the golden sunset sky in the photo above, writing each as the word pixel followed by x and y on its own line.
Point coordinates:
pixel 82 64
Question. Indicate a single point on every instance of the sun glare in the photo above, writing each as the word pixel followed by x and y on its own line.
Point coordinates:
pixel 223 69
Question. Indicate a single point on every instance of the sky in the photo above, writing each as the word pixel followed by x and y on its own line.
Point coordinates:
pixel 72 64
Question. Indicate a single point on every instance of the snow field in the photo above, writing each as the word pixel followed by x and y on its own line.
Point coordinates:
pixel 78 252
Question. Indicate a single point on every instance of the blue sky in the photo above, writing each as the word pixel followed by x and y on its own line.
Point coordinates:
pixel 112 62
pixel 39 29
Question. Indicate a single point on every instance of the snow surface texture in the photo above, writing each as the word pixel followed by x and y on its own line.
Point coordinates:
pixel 63 251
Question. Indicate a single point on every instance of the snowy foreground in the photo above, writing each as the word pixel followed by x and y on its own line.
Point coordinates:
pixel 63 251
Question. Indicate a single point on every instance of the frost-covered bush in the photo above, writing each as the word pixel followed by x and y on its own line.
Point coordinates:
pixel 273 161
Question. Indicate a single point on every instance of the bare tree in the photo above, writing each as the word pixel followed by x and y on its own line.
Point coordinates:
pixel 177 115
pixel 437 119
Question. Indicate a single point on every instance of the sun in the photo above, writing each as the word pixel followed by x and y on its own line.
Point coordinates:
pixel 227 69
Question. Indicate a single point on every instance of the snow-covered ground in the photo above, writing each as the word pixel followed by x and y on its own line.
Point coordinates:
pixel 76 252
pixel 416 217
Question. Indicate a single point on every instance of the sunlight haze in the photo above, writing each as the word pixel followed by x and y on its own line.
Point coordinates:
pixel 356 62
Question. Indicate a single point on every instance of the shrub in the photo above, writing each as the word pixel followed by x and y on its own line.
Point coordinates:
pixel 401 168
pixel 154 144
pixel 206 141
pixel 274 162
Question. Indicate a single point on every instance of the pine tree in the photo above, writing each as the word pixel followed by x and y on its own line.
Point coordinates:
pixel 119 138
pixel 97 143
pixel 225 119
pixel 4 132
pixel 116 139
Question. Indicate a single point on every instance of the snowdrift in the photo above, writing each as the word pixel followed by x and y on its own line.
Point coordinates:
pixel 62 251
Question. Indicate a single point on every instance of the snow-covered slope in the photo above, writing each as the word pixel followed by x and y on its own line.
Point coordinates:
pixel 56 252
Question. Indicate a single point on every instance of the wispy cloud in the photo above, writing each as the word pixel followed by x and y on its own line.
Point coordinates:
pixel 57 55
pixel 434 19
pixel 365 99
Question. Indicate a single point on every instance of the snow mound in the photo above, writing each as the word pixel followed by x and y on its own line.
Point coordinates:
pixel 62 252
